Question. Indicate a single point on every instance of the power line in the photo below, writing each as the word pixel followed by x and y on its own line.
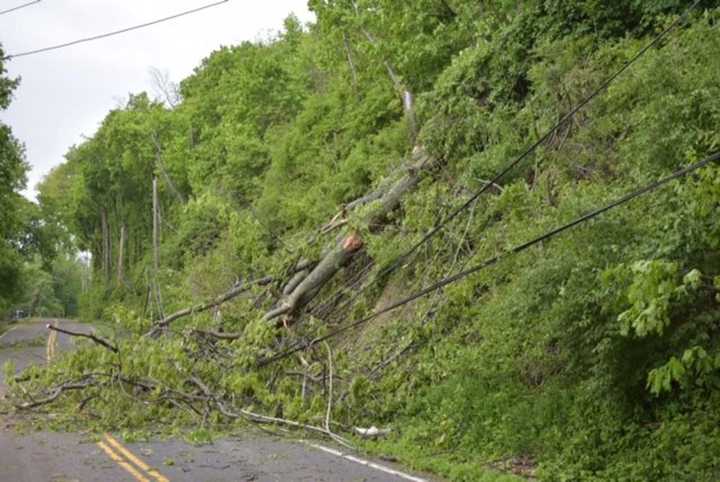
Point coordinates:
pixel 498 177
pixel 397 262
pixel 3 12
pixel 494 260
pixel 116 32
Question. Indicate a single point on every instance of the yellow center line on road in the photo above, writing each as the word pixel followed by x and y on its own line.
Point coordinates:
pixel 134 459
pixel 122 463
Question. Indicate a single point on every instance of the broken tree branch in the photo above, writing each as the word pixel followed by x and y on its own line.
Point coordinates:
pixel 57 391
pixel 400 87
pixel 233 293
pixel 330 388
pixel 220 335
pixel 257 418
pixel 352 243
pixel 96 339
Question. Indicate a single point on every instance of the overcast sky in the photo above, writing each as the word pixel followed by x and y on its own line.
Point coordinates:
pixel 65 94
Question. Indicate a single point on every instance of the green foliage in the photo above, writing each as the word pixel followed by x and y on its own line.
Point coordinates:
pixel 654 288
pixel 695 367
pixel 594 356
pixel 12 180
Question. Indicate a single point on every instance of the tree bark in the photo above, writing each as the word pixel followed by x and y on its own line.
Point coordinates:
pixel 351 243
pixel 156 247
pixel 105 243
pixel 121 255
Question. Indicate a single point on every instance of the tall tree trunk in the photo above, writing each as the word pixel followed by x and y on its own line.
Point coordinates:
pixel 156 249
pixel 106 260
pixel 121 255
pixel 156 227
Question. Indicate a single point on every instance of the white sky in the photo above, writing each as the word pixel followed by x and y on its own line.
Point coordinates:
pixel 65 94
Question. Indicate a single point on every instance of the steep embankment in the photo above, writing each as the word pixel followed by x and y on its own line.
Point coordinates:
pixel 308 182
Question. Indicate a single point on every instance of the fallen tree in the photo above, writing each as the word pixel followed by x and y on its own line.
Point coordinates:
pixel 387 199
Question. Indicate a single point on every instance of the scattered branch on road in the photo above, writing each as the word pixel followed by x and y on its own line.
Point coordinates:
pixel 258 418
pixel 55 393
pixel 100 341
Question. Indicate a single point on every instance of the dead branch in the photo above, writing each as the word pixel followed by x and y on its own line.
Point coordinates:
pixel 233 293
pixel 55 393
pixel 257 418
pixel 330 390
pixel 372 432
pixel 368 198
pixel 220 335
pixel 96 339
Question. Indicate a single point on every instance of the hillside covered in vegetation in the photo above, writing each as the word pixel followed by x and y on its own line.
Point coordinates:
pixel 252 232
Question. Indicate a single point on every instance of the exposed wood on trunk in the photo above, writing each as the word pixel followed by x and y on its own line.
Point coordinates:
pixel 400 87
pixel 351 243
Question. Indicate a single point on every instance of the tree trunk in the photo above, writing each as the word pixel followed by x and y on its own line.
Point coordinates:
pixel 106 260
pixel 156 228
pixel 121 255
pixel 351 243
pixel 156 249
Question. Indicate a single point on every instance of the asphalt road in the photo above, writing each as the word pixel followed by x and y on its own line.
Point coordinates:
pixel 70 457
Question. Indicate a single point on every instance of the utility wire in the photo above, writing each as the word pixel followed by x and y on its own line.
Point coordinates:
pixel 3 12
pixel 498 177
pixel 494 260
pixel 398 261
pixel 116 32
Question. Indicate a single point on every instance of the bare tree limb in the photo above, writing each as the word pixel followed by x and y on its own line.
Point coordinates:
pixel 257 418
pixel 233 293
pixel 57 391
pixel 165 88
pixel 96 339
pixel 220 335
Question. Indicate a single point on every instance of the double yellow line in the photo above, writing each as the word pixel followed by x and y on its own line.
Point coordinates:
pixel 117 452
pixel 132 464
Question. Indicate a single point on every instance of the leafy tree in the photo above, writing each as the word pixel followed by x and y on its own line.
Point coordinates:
pixel 12 180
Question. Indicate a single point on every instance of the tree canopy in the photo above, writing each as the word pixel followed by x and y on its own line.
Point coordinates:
pixel 294 171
